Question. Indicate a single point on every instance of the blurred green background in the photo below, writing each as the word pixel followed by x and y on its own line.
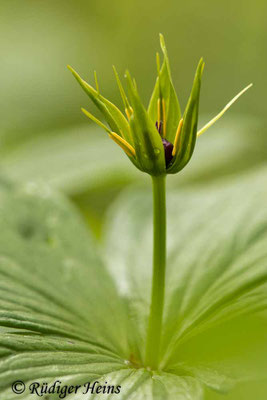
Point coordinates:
pixel 43 134
pixel 39 38
pixel 45 137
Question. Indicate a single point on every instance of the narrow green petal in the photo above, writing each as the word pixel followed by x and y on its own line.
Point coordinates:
pixel 218 116
pixel 164 89
pixel 114 117
pixel 96 83
pixel 164 50
pixel 147 141
pixel 122 92
pixel 187 137
pixel 94 119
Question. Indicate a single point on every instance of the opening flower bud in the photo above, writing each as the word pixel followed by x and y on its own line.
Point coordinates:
pixel 157 150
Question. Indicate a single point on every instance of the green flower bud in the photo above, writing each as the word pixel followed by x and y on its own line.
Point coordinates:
pixel 158 140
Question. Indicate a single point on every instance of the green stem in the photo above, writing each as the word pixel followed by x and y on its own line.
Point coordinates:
pixel 159 266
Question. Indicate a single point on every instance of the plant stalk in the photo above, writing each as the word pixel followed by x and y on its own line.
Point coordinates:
pixel 159 266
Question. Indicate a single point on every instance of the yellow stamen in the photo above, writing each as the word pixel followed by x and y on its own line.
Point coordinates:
pixel 164 117
pixel 96 82
pixel 177 135
pixel 129 112
pixel 129 150
pixel 122 92
pixel 159 113
pixel 93 118
pixel 218 116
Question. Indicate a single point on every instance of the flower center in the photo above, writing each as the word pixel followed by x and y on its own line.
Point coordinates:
pixel 168 146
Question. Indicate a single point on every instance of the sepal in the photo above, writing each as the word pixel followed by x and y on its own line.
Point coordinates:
pixel 164 90
pixel 185 143
pixel 114 117
pixel 147 141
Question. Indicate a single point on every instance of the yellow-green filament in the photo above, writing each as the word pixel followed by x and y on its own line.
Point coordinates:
pixel 128 112
pixel 218 116
pixel 82 82
pixel 129 150
pixel 159 112
pixel 122 92
pixel 96 82
pixel 178 132
pixel 93 118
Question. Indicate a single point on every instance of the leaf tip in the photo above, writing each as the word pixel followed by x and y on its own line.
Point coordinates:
pixel 162 41
pixel 201 65
pixel 71 69
pixel 75 74
pixel 96 82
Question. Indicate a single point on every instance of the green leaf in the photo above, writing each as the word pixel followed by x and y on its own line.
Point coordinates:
pixel 61 317
pixel 187 139
pixel 164 86
pixel 216 271
pixel 56 298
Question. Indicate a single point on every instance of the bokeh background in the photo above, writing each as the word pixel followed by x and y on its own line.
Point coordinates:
pixel 45 137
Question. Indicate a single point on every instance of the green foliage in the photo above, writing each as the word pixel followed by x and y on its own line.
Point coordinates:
pixel 42 139
pixel 57 299
pixel 86 311
pixel 216 257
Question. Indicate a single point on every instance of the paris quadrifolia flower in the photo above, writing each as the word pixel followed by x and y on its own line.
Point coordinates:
pixel 158 140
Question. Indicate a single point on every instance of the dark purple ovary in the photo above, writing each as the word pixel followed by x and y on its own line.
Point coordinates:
pixel 168 147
